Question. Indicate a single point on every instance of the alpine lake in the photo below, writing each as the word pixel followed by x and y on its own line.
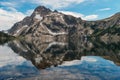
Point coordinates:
pixel 72 60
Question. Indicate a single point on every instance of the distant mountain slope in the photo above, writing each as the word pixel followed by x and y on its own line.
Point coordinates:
pixel 5 37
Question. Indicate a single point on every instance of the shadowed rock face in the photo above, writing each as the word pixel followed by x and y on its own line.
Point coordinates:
pixel 47 54
pixel 47 23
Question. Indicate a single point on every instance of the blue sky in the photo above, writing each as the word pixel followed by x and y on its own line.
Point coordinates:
pixel 12 11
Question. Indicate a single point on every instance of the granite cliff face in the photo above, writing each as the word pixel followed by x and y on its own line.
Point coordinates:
pixel 52 25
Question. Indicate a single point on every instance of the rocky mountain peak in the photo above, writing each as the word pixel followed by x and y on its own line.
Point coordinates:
pixel 46 24
pixel 42 10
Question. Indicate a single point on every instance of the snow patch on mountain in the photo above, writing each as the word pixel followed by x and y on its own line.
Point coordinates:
pixel 37 16
pixel 19 30
pixel 56 33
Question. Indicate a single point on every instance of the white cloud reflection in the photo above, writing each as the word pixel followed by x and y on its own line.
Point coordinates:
pixel 8 57
pixel 88 59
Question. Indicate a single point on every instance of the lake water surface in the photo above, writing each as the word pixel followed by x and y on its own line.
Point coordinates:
pixel 21 60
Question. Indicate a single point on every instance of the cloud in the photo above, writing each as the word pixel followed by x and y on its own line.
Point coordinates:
pixel 104 9
pixel 8 18
pixel 29 12
pixel 90 17
pixel 72 13
pixel 55 4
pixel 8 4
pixel 84 17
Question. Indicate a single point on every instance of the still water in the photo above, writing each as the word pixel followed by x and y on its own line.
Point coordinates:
pixel 22 60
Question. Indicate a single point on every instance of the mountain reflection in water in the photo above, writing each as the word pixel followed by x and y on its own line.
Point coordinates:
pixel 78 60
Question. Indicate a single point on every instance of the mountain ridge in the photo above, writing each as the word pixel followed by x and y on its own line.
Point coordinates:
pixel 47 23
